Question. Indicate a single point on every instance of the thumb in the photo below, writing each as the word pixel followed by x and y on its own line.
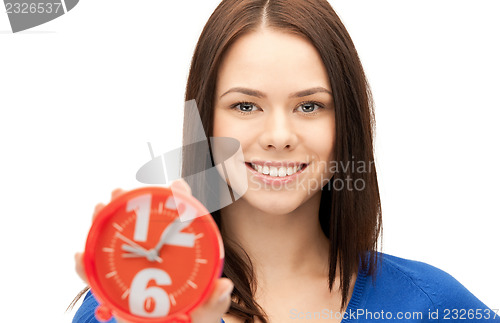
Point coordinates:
pixel 181 185
pixel 80 267
pixel 217 304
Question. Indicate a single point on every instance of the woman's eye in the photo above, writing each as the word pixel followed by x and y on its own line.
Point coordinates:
pixel 309 107
pixel 244 107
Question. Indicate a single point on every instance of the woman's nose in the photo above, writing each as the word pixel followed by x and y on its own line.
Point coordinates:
pixel 279 132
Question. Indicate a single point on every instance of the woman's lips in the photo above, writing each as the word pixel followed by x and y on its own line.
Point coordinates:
pixel 275 179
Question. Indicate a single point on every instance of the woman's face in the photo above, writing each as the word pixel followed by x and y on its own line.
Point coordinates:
pixel 286 120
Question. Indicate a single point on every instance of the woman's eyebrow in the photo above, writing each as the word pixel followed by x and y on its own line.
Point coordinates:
pixel 259 94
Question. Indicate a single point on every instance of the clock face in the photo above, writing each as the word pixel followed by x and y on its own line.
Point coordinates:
pixel 143 261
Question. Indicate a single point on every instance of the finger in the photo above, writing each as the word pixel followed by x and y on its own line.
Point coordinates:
pixel 97 209
pixel 218 303
pixel 79 267
pixel 181 185
pixel 118 320
pixel 117 192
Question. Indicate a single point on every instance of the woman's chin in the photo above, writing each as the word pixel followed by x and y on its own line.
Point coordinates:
pixel 273 204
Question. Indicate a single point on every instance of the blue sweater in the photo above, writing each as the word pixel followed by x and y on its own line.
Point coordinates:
pixel 404 290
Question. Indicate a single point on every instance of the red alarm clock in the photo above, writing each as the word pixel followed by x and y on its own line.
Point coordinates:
pixel 152 255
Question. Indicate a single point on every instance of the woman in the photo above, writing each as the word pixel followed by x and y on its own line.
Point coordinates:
pixel 284 78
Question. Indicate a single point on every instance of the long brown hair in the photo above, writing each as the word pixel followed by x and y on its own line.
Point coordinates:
pixel 351 219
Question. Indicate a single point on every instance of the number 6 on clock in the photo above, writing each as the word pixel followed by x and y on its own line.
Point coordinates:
pixel 142 298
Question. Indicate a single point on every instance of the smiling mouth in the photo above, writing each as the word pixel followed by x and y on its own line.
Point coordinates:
pixel 277 171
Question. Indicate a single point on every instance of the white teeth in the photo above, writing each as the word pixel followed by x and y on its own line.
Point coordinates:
pixel 276 171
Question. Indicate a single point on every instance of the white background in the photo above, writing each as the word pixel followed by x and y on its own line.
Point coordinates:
pixel 82 95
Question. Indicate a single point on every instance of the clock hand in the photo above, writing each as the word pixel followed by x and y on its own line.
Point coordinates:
pixel 150 256
pixel 129 248
pixel 140 252
pixel 140 255
pixel 176 226
pixel 164 236
pixel 131 255
pixel 127 240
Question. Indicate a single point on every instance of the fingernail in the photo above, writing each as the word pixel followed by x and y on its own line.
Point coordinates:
pixel 226 294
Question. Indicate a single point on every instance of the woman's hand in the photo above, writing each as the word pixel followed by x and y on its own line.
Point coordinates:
pixel 212 309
